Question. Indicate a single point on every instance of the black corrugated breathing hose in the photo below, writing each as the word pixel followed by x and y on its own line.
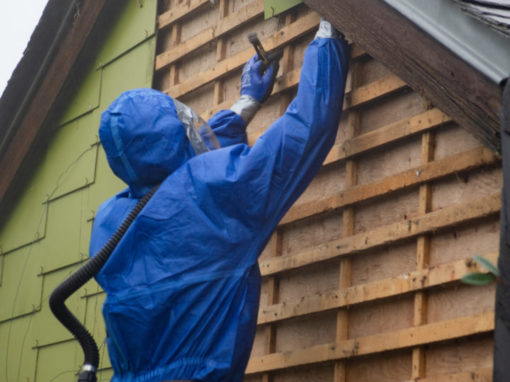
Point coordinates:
pixel 78 279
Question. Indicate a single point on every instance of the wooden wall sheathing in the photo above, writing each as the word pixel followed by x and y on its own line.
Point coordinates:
pixel 361 279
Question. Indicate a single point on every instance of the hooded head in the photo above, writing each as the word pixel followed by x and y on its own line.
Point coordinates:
pixel 143 138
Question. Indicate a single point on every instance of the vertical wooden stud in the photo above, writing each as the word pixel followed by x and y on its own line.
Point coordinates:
pixel 175 40
pixel 273 297
pixel 287 63
pixel 422 256
pixel 351 180
pixel 220 53
pixel 276 240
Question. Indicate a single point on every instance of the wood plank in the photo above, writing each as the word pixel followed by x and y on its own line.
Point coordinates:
pixel 422 253
pixel 277 40
pixel 387 134
pixel 369 292
pixel 454 164
pixel 388 234
pixel 374 90
pixel 348 225
pixel 421 61
pixel 221 52
pixel 480 375
pixel 222 27
pixel 176 13
pixel 415 336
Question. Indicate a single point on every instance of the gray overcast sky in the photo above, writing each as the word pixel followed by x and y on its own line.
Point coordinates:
pixel 18 19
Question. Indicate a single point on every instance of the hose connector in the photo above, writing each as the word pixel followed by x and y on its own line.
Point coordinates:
pixel 88 373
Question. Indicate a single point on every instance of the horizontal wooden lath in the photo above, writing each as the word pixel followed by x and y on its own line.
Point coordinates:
pixel 387 134
pixel 223 26
pixel 477 375
pixel 384 235
pixel 420 335
pixel 277 40
pixel 431 171
pixel 359 294
pixel 176 13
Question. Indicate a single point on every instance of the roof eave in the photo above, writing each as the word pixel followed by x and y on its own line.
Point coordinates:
pixel 32 131
pixel 451 83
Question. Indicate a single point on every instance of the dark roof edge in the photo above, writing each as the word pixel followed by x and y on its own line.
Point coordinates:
pixel 473 41
pixel 89 24
pixel 56 20
pixel 427 66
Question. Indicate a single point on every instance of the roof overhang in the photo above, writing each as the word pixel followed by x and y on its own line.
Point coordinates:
pixel 61 44
pixel 482 47
pixel 466 89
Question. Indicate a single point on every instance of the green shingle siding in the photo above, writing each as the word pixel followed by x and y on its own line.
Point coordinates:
pixel 46 237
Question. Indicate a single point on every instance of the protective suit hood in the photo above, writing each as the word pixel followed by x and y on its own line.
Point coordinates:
pixel 143 138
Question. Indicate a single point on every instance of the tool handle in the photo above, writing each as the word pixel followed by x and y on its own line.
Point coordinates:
pixel 271 57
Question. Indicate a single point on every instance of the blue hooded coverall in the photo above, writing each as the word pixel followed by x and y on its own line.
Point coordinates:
pixel 183 284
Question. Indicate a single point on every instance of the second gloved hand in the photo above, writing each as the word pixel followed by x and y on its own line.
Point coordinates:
pixel 256 83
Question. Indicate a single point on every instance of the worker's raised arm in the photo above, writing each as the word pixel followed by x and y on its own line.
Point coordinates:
pixel 256 86
pixel 288 155
pixel 257 185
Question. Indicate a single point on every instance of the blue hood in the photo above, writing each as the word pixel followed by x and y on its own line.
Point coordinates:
pixel 143 138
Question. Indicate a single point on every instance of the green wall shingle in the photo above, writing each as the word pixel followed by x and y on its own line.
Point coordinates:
pixel 46 236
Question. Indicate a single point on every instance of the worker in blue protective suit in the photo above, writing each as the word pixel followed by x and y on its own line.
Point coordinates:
pixel 183 284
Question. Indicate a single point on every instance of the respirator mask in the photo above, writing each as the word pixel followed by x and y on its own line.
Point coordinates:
pixel 199 133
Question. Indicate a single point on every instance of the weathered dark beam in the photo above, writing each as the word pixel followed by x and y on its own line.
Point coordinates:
pixel 428 67
pixel 502 317
pixel 33 129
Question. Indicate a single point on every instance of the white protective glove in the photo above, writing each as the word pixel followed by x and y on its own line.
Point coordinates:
pixel 326 30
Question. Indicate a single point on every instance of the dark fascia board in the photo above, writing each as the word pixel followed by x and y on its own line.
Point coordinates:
pixel 90 22
pixel 427 66
pixel 57 16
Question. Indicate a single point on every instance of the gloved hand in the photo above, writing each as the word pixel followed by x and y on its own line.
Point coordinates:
pixel 257 83
pixel 326 30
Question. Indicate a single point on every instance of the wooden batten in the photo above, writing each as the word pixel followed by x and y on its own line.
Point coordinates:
pixel 425 334
pixel 386 235
pixel 345 297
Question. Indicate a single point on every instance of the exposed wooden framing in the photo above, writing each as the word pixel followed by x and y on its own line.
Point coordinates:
pixel 277 40
pixel 30 128
pixel 348 221
pixel 384 86
pixel 387 134
pixel 421 61
pixel 427 172
pixel 384 135
pixel 359 294
pixel 276 243
pixel 175 39
pixel 422 255
pixel 220 52
pixel 415 336
pixel 272 298
pixel 226 24
pixel 388 234
pixel 480 375
pixel 356 98
pixel 178 12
